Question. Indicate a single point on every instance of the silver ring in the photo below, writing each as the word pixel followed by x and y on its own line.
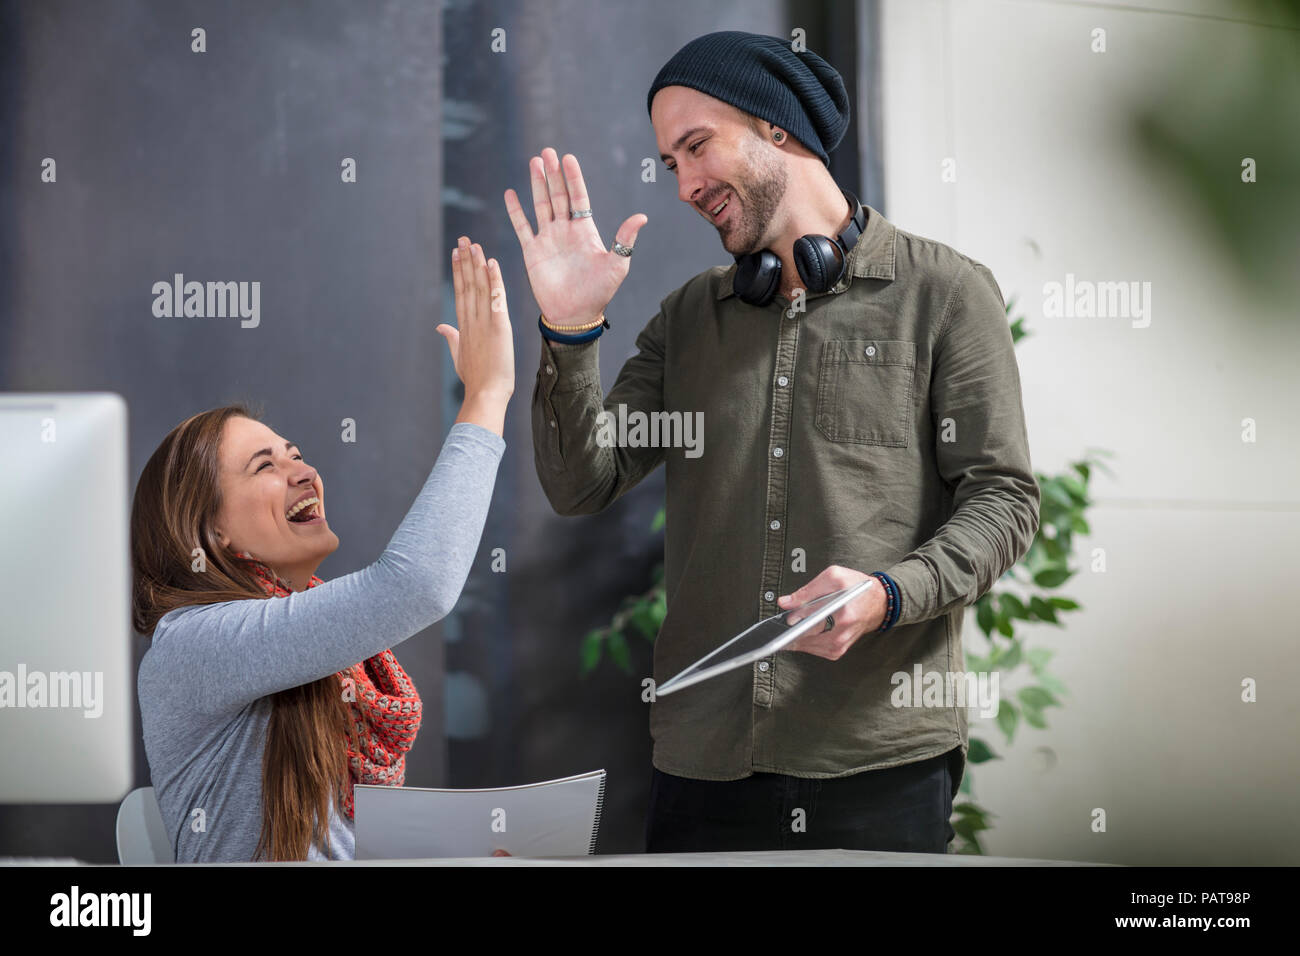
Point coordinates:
pixel 621 249
pixel 579 213
pixel 830 624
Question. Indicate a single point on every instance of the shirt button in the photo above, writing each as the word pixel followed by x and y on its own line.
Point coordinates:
pixel 552 422
pixel 769 595
pixel 777 453
pixel 871 350
pixel 762 665
pixel 789 313
pixel 775 525
pixel 783 381
pixel 550 370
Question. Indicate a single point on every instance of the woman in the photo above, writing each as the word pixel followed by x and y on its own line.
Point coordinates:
pixel 260 713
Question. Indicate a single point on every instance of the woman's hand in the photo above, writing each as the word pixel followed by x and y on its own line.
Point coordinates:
pixel 482 344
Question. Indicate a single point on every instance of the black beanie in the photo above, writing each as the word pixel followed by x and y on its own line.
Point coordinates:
pixel 763 76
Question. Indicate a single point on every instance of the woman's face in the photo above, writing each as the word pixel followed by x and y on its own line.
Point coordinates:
pixel 262 481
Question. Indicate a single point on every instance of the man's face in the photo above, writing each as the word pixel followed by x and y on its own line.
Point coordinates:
pixel 734 178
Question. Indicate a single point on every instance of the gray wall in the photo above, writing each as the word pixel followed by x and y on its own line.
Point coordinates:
pixel 226 166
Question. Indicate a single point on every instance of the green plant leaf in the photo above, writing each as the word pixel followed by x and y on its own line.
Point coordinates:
pixel 618 652
pixel 645 619
pixel 1078 524
pixel 1050 682
pixel 979 751
pixel 1043 611
pixel 967 786
pixel 1004 625
pixel 660 518
pixel 1038 658
pixel 967 827
pixel 1052 577
pixel 1034 718
pixel 1012 606
pixel 591 650
pixel 1006 658
pixel 1065 604
pixel 1075 488
pixel 1054 491
pixel 1008 718
pixel 1036 698
pixel 984 614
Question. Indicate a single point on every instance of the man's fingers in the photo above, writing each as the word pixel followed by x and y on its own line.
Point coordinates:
pixel 555 184
pixel 576 185
pixel 631 226
pixel 518 219
pixel 541 195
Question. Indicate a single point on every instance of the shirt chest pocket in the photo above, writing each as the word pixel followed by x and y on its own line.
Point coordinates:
pixel 864 391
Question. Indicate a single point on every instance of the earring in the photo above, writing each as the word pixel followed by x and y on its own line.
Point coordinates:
pixel 778 136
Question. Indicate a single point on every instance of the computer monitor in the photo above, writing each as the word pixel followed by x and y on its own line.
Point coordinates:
pixel 67 687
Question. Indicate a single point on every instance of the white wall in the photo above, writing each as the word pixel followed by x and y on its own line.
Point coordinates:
pixel 1198 527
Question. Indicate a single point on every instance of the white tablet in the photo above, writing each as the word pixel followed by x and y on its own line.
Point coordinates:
pixel 765 638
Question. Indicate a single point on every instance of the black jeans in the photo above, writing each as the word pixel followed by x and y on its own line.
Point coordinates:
pixel 904 809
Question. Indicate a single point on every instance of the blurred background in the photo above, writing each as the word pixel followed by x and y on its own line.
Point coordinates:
pixel 1150 141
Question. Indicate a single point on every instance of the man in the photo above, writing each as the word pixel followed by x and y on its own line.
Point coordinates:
pixel 873 429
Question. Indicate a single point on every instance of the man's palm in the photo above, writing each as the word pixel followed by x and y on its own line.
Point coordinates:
pixel 572 274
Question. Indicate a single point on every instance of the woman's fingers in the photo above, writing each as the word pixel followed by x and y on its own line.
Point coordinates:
pixel 467 275
pixel 458 284
pixel 453 344
pixel 482 293
pixel 497 293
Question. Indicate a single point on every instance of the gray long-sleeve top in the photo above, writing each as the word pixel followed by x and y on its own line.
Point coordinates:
pixel 205 682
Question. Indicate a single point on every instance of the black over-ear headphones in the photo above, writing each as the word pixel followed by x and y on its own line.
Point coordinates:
pixel 821 261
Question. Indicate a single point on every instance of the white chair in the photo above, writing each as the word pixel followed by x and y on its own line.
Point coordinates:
pixel 141 834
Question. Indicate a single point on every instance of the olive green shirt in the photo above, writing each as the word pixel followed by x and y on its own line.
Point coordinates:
pixel 880 429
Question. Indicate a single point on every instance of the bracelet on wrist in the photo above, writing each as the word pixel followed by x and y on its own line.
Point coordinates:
pixel 574 329
pixel 585 334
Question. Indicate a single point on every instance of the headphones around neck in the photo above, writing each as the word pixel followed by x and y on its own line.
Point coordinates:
pixel 821 261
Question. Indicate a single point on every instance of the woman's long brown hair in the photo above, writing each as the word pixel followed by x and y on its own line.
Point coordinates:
pixel 305 763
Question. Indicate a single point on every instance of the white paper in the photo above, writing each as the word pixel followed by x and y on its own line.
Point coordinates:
pixel 552 818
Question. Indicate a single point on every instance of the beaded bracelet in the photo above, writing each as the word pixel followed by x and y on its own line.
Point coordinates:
pixel 893 600
pixel 573 329
pixel 566 339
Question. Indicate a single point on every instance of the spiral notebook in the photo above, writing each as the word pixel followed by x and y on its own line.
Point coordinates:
pixel 552 818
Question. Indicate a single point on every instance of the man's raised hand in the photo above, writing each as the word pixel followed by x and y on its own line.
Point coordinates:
pixel 573 273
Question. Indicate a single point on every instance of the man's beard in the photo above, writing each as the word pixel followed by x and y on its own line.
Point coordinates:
pixel 760 196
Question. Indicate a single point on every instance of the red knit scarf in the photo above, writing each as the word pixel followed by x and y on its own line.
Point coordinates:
pixel 385 705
